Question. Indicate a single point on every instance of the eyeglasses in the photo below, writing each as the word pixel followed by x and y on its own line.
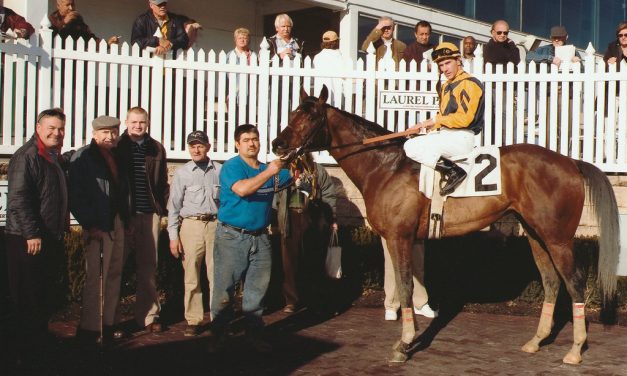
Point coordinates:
pixel 622 35
pixel 501 32
pixel 443 53
pixel 386 28
pixel 53 112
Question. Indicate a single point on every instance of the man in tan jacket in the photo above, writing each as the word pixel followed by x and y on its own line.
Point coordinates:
pixel 388 49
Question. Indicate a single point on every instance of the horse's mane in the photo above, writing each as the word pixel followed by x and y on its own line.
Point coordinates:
pixel 391 152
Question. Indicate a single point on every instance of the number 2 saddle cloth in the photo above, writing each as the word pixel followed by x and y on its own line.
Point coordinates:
pixel 483 169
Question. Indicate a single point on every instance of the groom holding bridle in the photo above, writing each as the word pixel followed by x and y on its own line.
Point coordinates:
pixel 452 130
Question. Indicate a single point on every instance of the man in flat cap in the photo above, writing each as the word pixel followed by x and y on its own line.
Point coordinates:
pixel 192 214
pixel 546 54
pixel 99 202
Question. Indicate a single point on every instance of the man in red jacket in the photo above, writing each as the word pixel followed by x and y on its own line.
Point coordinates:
pixel 9 20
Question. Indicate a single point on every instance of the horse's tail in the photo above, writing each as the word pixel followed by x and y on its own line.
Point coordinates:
pixel 603 202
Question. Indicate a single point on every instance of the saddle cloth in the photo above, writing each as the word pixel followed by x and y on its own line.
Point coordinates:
pixel 483 169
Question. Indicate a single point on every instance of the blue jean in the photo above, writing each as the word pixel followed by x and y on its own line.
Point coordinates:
pixel 239 257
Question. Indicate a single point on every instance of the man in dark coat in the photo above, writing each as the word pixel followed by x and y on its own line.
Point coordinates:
pixel 142 162
pixel 99 202
pixel 160 29
pixel 37 217
pixel 500 49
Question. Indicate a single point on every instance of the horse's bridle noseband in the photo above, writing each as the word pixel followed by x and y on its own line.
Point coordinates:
pixel 308 140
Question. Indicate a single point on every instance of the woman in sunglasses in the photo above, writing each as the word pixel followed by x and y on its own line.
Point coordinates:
pixel 617 50
pixel 500 49
pixel 453 129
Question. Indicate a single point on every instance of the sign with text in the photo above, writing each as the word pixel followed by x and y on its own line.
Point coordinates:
pixel 408 100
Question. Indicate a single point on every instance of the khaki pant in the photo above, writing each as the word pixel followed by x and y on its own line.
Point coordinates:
pixel 419 295
pixel 113 260
pixel 197 239
pixel 144 240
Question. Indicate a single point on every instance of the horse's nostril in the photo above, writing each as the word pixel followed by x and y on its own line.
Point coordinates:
pixel 277 143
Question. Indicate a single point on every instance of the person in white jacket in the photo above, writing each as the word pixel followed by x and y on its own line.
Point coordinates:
pixel 329 61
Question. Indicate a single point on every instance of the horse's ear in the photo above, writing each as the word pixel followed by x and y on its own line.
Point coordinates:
pixel 324 94
pixel 303 94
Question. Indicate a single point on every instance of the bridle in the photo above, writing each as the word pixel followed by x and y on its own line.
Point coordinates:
pixel 316 129
pixel 309 138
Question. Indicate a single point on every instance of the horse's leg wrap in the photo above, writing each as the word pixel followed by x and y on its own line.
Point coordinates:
pixel 400 348
pixel 409 325
pixel 544 328
pixel 579 334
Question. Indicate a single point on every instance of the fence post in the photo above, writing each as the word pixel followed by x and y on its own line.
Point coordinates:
pixel 44 86
pixel 371 68
pixel 588 104
pixel 263 97
pixel 157 75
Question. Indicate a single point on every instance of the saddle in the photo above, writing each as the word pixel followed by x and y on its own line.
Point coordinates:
pixel 483 169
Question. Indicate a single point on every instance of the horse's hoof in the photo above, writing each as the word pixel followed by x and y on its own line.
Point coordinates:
pixel 571 358
pixel 530 348
pixel 398 357
pixel 399 352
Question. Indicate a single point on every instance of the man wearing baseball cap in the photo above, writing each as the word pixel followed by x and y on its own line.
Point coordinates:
pixel 99 202
pixel 160 29
pixel 546 54
pixel 452 131
pixel 330 59
pixel 192 214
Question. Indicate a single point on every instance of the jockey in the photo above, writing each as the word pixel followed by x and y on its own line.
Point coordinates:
pixel 453 129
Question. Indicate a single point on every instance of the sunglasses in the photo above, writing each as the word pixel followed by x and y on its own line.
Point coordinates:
pixel 386 28
pixel 622 35
pixel 501 32
pixel 443 52
pixel 53 112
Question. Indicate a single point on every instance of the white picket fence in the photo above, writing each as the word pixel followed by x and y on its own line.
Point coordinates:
pixel 579 111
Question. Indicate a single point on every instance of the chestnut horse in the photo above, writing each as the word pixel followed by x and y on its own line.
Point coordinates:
pixel 545 189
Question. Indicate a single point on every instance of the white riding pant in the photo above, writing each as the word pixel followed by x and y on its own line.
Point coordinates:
pixel 428 149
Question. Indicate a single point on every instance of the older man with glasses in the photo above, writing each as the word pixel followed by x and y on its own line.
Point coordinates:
pixel 500 49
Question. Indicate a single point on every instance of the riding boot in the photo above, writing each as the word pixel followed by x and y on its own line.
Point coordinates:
pixel 452 175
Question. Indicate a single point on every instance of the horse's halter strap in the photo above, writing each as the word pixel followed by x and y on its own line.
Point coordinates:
pixel 308 140
pixel 318 126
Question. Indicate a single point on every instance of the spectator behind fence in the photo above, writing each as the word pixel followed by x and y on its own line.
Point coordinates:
pixel 617 50
pixel 37 217
pixel 9 20
pixel 242 250
pixel 470 45
pixel 546 54
pixel 416 50
pixel 388 49
pixel 241 51
pixel 283 43
pixel 160 29
pixel 145 169
pixel 99 202
pixel 192 214
pixel 67 22
pixel 306 214
pixel 500 49
pixel 329 58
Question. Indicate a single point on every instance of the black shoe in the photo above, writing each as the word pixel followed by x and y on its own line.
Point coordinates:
pixel 452 175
